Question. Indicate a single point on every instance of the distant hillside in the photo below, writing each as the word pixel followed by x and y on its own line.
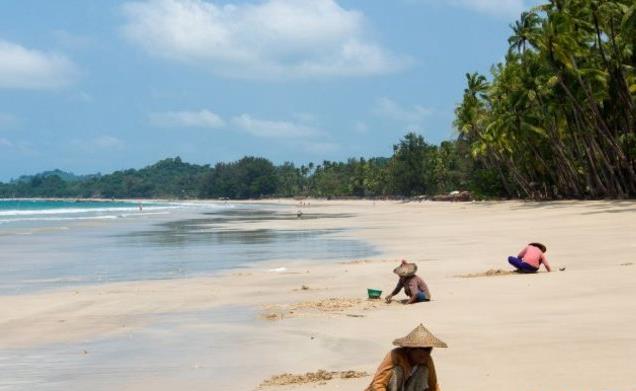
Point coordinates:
pixel 167 178
pixel 416 168
pixel 64 175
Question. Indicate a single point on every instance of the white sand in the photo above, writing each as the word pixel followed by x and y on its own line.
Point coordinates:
pixel 570 330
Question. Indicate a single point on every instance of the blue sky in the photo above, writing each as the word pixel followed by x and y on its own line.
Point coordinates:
pixel 99 85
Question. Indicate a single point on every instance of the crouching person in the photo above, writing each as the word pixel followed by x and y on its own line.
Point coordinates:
pixel 410 366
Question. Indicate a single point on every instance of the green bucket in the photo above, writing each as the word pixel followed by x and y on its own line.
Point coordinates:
pixel 374 293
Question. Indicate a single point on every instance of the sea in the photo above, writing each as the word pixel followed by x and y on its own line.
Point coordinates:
pixel 48 245
pixel 51 244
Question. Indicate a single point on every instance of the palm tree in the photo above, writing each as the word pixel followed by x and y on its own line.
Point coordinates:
pixel 523 30
pixel 560 119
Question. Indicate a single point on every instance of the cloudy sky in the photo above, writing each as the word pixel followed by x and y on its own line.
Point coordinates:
pixel 99 85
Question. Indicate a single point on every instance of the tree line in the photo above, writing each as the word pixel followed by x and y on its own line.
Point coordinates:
pixel 416 168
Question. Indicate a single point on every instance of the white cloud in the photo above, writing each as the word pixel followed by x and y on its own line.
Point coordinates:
pixel 5 143
pixel 100 143
pixel 272 39
pixel 388 108
pixel 320 148
pixel 24 68
pixel 294 135
pixel 83 96
pixel 193 119
pixel 506 8
pixel 274 129
pixel 360 127
pixel 306 118
pixel 20 147
pixel 108 142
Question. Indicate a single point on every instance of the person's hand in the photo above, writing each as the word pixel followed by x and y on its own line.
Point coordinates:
pixel 388 299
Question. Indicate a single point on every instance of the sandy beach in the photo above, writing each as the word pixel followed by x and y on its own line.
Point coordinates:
pixel 566 330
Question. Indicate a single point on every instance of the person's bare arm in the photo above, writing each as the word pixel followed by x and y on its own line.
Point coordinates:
pixel 522 252
pixel 413 288
pixel 545 263
pixel 397 290
pixel 425 290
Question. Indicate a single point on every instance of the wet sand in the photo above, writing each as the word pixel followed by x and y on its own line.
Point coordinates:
pixel 549 331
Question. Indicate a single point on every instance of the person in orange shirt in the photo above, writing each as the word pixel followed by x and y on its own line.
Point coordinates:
pixel 530 258
pixel 410 366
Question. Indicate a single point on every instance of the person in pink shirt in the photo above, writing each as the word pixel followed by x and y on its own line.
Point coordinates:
pixel 530 258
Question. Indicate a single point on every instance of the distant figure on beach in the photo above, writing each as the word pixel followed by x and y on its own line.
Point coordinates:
pixel 141 208
pixel 410 366
pixel 299 214
pixel 530 258
pixel 414 287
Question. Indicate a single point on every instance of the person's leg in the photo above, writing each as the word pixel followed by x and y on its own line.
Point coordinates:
pixel 397 380
pixel 516 262
pixel 521 265
pixel 527 268
pixel 421 296
pixel 418 381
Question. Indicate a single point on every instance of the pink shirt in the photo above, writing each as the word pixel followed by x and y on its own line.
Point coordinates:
pixel 534 256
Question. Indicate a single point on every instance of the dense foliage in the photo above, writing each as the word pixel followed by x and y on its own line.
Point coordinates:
pixel 416 168
pixel 167 178
pixel 250 177
pixel 558 118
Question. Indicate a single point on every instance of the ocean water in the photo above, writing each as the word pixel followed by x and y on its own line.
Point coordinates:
pixel 59 244
pixel 62 245
pixel 15 211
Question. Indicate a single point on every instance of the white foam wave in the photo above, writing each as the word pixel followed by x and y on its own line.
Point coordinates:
pixel 63 211
pixel 96 217
pixel 201 204
pixel 101 217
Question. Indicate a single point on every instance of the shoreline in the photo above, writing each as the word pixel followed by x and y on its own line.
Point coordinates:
pixel 446 240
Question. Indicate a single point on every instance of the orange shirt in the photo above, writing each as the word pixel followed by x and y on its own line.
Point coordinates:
pixel 398 357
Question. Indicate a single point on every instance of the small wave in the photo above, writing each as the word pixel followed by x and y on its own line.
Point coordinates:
pixel 77 218
pixel 201 204
pixel 54 280
pixel 33 231
pixel 60 211
pixel 102 217
pixel 137 214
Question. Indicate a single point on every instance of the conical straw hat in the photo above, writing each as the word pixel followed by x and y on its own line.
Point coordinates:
pixel 405 269
pixel 420 337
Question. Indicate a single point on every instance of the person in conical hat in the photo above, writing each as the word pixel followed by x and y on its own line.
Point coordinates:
pixel 414 287
pixel 409 367
pixel 530 258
